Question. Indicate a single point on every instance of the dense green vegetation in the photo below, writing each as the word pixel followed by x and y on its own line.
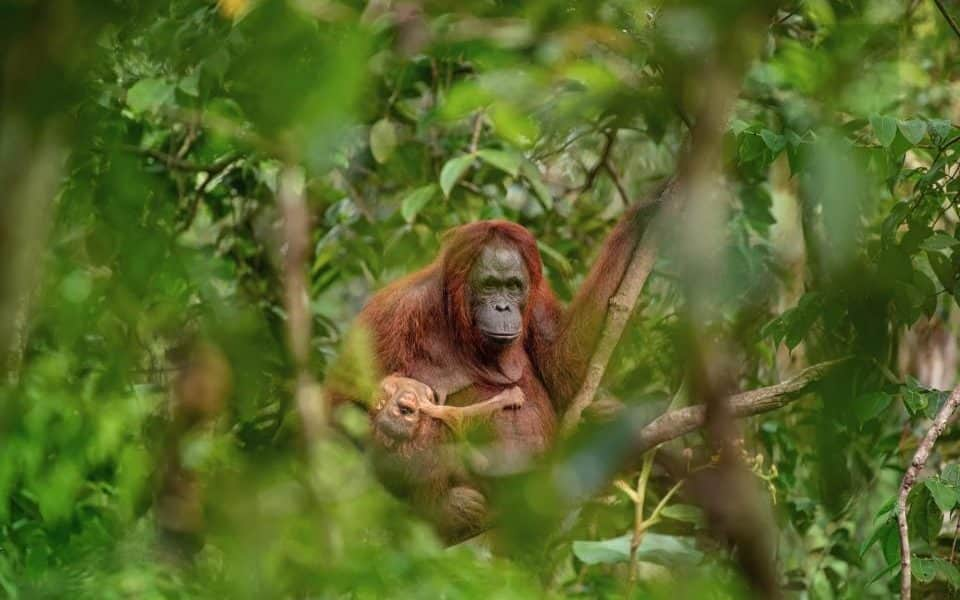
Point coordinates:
pixel 141 149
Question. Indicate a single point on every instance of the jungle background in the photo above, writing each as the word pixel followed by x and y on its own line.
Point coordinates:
pixel 144 261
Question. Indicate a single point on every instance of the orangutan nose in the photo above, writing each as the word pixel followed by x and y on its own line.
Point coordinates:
pixel 405 406
pixel 502 307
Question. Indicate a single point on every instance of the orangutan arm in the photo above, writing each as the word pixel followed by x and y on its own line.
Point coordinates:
pixel 563 342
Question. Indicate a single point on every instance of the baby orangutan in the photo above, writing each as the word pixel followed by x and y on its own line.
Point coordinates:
pixel 403 400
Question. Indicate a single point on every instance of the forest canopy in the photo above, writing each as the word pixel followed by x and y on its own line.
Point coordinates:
pixel 201 195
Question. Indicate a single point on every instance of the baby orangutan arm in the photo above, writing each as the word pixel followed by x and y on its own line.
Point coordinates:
pixel 455 416
pixel 405 399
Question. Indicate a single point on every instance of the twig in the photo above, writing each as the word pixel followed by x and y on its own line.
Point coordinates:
pixel 616 181
pixel 610 137
pixel 910 478
pixel 638 523
pixel 477 128
pixel 946 15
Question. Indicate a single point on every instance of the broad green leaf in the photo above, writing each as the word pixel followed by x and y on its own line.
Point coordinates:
pixel 951 475
pixel 452 171
pixel 879 533
pixel 939 241
pixel 774 141
pixel 383 140
pixel 869 406
pixel 885 128
pixel 940 128
pixel 414 202
pixel 189 85
pixel 512 125
pixel 913 130
pixel 656 548
pixel 502 159
pixel 945 496
pixel 943 268
pixel 924 516
pixel 924 569
pixel 148 95
pixel 890 544
pixel 609 551
pixel 683 512
pixel 948 571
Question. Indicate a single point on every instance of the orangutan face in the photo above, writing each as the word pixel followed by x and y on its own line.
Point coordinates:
pixel 499 288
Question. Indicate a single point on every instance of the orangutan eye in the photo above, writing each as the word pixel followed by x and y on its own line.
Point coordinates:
pixel 514 284
pixel 489 283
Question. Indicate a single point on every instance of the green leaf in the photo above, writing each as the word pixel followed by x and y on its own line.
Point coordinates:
pixel 885 128
pixel 383 140
pixel 513 125
pixel 609 551
pixel 890 544
pixel 148 95
pixel 913 130
pixel 939 241
pixel 774 141
pixel 951 475
pixel 943 268
pixel 683 512
pixel 870 406
pixel 655 548
pixel 452 171
pixel 945 496
pixel 948 571
pixel 924 516
pixel 189 85
pixel 504 160
pixel 879 533
pixel 924 569
pixel 940 128
pixel 414 202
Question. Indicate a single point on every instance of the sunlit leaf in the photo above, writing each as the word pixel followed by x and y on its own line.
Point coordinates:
pixel 383 140
pixel 416 200
pixel 504 160
pixel 885 128
pixel 452 171
pixel 148 95
pixel 913 130
pixel 945 496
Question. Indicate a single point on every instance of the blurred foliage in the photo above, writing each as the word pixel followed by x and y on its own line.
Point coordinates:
pixel 175 118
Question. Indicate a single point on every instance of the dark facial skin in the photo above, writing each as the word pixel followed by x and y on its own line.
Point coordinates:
pixel 499 288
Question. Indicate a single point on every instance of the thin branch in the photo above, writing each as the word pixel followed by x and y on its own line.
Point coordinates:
pixel 608 167
pixel 477 128
pixel 173 162
pixel 910 478
pixel 610 137
pixel 946 15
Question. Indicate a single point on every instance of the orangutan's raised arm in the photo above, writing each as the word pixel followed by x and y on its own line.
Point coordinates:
pixel 563 348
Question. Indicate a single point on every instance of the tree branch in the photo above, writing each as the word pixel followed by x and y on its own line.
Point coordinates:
pixel 910 478
pixel 296 231
pixel 676 423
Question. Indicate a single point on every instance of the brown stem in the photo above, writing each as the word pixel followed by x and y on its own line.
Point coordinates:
pixel 910 478
pixel 946 15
